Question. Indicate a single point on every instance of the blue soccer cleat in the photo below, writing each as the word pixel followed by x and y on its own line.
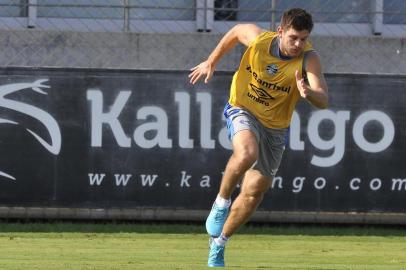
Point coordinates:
pixel 216 219
pixel 216 254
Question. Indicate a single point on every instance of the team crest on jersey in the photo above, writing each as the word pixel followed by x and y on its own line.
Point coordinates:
pixel 272 69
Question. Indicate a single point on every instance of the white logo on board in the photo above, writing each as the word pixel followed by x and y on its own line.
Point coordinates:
pixel 42 116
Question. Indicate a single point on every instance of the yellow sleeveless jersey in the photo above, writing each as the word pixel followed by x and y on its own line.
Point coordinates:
pixel 265 85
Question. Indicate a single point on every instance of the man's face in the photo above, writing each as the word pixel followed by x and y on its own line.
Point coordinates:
pixel 292 42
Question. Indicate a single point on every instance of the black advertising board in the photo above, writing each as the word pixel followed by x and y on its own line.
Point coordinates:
pixel 128 139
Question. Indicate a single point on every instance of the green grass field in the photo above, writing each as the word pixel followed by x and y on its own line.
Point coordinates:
pixel 150 246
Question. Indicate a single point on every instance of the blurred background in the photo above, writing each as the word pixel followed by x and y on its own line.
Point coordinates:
pixel 177 34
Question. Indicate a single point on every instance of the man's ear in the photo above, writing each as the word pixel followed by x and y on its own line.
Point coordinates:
pixel 279 30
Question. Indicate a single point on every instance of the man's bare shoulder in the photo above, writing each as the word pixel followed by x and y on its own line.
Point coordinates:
pixel 247 33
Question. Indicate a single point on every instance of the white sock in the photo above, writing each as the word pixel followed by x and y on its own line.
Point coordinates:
pixel 223 203
pixel 221 240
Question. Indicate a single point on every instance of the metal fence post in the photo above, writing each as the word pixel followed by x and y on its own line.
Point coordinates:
pixel 126 16
pixel 32 13
pixel 209 15
pixel 377 17
pixel 273 15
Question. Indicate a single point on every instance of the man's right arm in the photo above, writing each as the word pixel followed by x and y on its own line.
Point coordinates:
pixel 243 33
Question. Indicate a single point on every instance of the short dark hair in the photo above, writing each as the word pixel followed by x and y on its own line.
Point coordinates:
pixel 297 18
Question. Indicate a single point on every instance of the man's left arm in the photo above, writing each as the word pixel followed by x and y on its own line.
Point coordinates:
pixel 316 92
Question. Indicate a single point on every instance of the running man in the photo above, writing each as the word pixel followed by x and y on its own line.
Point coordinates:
pixel 276 71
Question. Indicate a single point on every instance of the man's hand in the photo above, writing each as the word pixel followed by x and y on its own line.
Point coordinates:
pixel 203 69
pixel 301 85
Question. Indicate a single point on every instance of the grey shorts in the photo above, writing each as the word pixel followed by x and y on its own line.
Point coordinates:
pixel 271 142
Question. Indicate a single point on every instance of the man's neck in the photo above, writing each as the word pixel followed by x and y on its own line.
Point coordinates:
pixel 280 52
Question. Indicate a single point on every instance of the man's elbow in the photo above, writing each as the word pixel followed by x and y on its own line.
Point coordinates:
pixel 321 102
pixel 323 105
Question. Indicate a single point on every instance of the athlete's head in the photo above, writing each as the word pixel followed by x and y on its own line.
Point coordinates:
pixel 296 25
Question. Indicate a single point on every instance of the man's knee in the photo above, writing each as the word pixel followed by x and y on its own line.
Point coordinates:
pixel 250 201
pixel 253 195
pixel 246 157
pixel 255 185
